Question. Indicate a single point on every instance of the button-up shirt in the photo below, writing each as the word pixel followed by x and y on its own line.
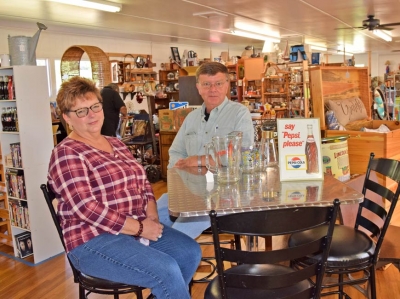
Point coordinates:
pixel 96 190
pixel 195 131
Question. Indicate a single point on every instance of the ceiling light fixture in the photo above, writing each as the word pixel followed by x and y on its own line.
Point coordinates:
pixel 318 48
pixel 96 4
pixel 382 35
pixel 255 36
pixel 209 14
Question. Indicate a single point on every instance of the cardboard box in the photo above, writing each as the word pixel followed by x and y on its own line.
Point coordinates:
pixel 172 120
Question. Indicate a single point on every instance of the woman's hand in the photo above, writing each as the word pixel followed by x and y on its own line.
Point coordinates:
pixel 152 229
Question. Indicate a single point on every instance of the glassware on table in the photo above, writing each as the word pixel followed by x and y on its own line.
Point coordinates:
pixel 227 157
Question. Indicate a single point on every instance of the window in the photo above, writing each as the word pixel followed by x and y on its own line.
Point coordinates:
pixel 85 71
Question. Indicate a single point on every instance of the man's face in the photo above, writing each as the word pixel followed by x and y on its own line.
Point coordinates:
pixel 212 89
pixel 22 245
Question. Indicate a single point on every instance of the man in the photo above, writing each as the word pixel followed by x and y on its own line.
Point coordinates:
pixel 112 107
pixel 217 116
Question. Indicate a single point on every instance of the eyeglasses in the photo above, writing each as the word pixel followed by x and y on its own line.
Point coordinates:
pixel 82 112
pixel 217 85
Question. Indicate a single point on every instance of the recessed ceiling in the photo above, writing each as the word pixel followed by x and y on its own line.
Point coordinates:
pixel 211 21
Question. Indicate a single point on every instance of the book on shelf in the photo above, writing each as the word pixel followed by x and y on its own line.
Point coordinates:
pixel 15 183
pixel 19 214
pixel 16 154
pixel 24 244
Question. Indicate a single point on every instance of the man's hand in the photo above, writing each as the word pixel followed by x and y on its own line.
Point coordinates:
pixel 187 162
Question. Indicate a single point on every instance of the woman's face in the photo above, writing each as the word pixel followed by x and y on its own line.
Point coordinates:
pixel 89 124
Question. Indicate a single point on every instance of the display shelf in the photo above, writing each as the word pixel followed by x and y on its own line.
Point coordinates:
pixel 169 84
pixel 236 83
pixel 35 140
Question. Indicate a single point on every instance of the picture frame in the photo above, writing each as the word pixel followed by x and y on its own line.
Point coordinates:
pixel 175 54
pixel 114 72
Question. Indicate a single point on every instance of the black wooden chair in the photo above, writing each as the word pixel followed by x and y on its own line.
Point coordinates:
pixel 357 249
pixel 264 274
pixel 86 282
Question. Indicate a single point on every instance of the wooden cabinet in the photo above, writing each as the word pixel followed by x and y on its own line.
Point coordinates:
pixel 397 84
pixel 166 139
pixel 35 143
pixel 236 82
pixel 275 91
pixel 169 83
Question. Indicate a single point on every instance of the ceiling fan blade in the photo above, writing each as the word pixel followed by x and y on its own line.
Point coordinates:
pixel 391 24
pixel 351 28
pixel 380 27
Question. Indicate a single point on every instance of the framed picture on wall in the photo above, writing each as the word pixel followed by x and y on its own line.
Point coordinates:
pixel 175 54
pixel 114 72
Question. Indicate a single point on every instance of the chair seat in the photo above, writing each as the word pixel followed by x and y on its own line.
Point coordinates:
pixel 213 288
pixel 350 247
pixel 99 283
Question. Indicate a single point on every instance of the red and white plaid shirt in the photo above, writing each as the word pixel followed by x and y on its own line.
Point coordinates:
pixel 96 190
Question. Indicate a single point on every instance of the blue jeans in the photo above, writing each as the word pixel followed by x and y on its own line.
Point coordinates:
pixel 166 266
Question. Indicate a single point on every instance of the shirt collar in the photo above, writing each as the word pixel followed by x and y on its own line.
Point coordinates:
pixel 221 106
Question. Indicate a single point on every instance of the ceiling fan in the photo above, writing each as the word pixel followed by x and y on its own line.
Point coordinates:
pixel 372 24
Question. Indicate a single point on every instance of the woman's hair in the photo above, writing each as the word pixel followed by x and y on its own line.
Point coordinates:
pixel 211 69
pixel 73 89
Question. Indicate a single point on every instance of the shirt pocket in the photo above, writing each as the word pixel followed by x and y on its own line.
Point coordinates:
pixel 191 144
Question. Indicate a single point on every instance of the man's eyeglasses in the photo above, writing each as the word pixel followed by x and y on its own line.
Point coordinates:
pixel 217 85
pixel 82 112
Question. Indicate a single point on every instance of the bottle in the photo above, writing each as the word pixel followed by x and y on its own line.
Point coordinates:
pixel 5 88
pixel 311 152
pixel 10 88
pixel 1 88
pixel 3 118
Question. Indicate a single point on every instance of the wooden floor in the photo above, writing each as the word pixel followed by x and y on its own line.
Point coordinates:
pixel 53 278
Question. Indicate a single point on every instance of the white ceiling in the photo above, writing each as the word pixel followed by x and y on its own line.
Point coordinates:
pixel 296 21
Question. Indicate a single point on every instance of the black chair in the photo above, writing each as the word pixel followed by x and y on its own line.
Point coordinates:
pixel 86 282
pixel 357 249
pixel 263 274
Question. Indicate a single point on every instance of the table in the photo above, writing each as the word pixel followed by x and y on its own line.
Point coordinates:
pixel 190 195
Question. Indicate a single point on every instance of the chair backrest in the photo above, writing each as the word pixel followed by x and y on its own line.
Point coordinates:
pixel 378 217
pixel 273 223
pixel 49 196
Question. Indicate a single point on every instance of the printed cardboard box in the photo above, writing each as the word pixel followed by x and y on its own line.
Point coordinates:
pixel 171 120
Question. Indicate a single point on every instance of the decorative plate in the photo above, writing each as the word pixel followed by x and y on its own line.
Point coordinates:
pixel 147 87
pixel 171 87
pixel 170 76
pixel 158 87
pixel 176 86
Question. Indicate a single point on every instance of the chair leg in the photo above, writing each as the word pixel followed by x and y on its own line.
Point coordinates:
pixel 81 292
pixel 116 296
pixel 372 280
pixel 340 286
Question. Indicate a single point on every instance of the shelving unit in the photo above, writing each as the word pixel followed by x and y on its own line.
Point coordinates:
pixel 275 91
pixel 236 82
pixel 36 143
pixel 169 83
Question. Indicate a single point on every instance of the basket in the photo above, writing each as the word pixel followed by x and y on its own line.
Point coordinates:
pixel 70 64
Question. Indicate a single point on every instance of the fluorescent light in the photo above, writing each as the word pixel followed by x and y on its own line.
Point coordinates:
pixel 255 36
pixel 96 4
pixel 345 53
pixel 318 48
pixel 382 35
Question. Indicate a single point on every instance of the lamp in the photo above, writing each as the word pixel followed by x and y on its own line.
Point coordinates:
pixel 382 35
pixel 268 47
pixel 251 48
pixel 255 35
pixel 96 4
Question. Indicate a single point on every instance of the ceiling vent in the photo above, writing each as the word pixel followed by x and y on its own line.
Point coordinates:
pixel 209 14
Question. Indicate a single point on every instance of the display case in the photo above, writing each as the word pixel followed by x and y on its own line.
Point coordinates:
pixel 26 154
pixel 169 84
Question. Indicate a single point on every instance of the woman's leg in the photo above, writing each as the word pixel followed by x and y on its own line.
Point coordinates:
pixel 166 266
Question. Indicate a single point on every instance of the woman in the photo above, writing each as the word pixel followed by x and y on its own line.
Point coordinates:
pixel 107 208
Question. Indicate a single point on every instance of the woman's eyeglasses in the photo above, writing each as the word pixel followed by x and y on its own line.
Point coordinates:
pixel 82 112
